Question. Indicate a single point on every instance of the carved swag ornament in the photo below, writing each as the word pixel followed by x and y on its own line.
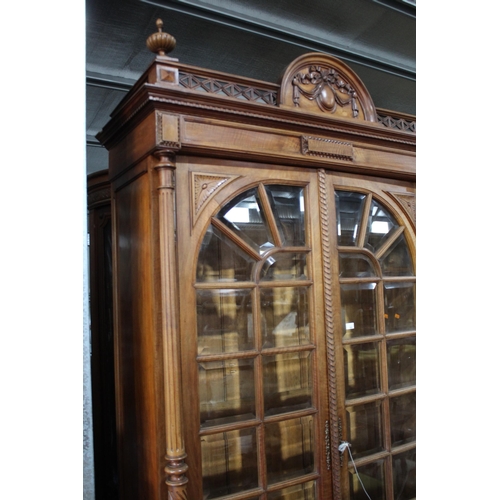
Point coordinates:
pixel 329 89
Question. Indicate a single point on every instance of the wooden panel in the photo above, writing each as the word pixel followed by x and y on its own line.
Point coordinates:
pixel 139 406
pixel 133 147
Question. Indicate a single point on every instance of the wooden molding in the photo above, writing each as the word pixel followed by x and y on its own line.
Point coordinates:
pixel 319 146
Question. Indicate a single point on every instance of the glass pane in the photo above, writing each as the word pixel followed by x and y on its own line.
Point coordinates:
pixel 224 321
pixel 404 475
pixel 287 382
pixel 289 448
pixel 397 260
pixel 227 391
pixel 287 203
pixel 285 266
pixel 399 311
pixel 403 418
pixel 229 463
pixel 349 208
pixel 401 361
pixel 358 309
pixel 221 260
pixel 355 266
pixel 305 491
pixel 372 476
pixel 245 217
pixel 380 226
pixel 284 316
pixel 361 368
pixel 364 428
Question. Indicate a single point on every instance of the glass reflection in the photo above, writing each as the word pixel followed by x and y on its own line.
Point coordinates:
pixel 221 260
pixel 401 361
pixel 359 313
pixel 229 463
pixel 397 260
pixel 403 418
pixel 349 207
pixel 285 266
pixel 287 204
pixel 305 491
pixel 364 428
pixel 380 226
pixel 399 310
pixel 244 216
pixel 284 316
pixel 225 321
pixel 355 266
pixel 404 475
pixel 289 448
pixel 373 478
pixel 361 368
pixel 287 382
pixel 226 390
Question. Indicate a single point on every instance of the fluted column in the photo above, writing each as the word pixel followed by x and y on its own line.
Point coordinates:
pixel 176 467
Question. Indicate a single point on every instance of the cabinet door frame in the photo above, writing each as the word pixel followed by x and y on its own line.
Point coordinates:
pixel 240 177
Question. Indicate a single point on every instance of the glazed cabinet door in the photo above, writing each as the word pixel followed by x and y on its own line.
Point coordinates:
pixel 375 335
pixel 297 326
pixel 252 327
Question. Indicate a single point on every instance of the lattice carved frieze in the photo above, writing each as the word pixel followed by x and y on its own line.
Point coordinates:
pixel 229 89
pixel 397 123
pixel 204 187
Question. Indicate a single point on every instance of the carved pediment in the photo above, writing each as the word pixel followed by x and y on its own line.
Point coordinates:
pixel 318 83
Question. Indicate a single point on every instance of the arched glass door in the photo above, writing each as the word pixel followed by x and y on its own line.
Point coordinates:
pixel 376 330
pixel 260 397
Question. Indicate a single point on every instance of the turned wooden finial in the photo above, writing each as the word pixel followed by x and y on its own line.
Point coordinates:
pixel 161 43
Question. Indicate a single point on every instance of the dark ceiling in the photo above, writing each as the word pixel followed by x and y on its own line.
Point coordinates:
pixel 253 38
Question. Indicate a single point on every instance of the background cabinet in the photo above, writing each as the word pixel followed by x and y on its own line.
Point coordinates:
pixel 263 284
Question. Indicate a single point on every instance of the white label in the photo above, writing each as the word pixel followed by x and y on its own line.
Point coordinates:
pixel 349 326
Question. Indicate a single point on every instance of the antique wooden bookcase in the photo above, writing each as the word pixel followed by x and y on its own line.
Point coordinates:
pixel 264 285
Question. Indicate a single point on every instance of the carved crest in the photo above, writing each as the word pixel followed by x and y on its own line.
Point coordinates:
pixel 319 83
pixel 326 87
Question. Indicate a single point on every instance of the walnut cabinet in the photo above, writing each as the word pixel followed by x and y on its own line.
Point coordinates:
pixel 264 286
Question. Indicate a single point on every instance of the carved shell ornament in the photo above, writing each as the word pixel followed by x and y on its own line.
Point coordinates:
pixel 329 89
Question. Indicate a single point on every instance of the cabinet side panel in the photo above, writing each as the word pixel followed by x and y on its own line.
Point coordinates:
pixel 136 345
